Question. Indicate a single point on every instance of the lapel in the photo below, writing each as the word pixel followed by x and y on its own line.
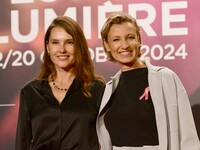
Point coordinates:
pixel 155 84
pixel 110 88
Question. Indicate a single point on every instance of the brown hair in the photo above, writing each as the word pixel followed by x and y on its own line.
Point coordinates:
pixel 118 18
pixel 83 66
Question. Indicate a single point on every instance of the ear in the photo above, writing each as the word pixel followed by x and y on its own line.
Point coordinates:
pixel 106 46
pixel 47 48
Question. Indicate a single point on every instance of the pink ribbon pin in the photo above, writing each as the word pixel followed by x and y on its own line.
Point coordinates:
pixel 145 94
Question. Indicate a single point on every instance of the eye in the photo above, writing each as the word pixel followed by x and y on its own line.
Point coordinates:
pixel 70 42
pixel 114 40
pixel 54 42
pixel 131 37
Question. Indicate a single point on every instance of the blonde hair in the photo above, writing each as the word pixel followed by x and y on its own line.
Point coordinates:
pixel 118 18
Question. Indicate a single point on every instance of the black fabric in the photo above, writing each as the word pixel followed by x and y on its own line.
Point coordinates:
pixel 44 124
pixel 129 120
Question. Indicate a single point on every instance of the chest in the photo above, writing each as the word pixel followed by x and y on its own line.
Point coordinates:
pixel 59 94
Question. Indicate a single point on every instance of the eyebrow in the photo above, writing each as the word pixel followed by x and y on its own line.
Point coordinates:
pixel 59 40
pixel 117 36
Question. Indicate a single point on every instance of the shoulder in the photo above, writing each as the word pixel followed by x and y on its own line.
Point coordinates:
pixel 170 78
pixel 97 87
pixel 159 69
pixel 168 73
pixel 96 83
pixel 28 84
pixel 33 84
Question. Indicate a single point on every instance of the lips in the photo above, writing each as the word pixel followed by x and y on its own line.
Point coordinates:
pixel 63 57
pixel 125 52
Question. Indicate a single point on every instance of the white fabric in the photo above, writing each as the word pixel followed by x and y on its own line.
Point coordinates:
pixel 136 148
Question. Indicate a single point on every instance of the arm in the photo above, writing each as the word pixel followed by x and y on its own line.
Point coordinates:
pixel 181 126
pixel 23 135
pixel 188 133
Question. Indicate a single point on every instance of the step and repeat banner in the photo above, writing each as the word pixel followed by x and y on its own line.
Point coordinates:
pixel 170 34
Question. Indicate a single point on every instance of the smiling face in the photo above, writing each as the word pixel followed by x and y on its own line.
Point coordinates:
pixel 123 44
pixel 61 49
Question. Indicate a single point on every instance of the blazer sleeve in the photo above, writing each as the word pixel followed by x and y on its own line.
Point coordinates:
pixel 188 134
pixel 23 133
pixel 181 124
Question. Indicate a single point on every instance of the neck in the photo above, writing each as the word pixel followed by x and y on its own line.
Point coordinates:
pixel 63 76
pixel 134 65
pixel 62 80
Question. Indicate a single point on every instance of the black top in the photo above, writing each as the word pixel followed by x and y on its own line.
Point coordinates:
pixel 44 124
pixel 130 120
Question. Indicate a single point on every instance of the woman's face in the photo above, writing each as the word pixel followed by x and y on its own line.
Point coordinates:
pixel 61 48
pixel 123 44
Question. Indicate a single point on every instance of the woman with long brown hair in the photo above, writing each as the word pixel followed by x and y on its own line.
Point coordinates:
pixel 58 108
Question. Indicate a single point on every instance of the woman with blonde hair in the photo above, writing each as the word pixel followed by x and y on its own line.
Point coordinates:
pixel 144 107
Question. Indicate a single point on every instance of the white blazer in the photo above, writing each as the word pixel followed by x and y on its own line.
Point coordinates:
pixel 174 119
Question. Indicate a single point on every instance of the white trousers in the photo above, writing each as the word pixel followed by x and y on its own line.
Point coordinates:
pixel 136 148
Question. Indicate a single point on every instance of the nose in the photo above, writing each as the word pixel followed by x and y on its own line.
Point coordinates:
pixel 62 48
pixel 125 44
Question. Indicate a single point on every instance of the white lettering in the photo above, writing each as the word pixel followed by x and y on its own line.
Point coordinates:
pixel 100 55
pixel 50 15
pixel 21 1
pixel 102 10
pixel 91 53
pixel 144 23
pixel 4 39
pixel 33 26
pixel 167 18
pixel 87 22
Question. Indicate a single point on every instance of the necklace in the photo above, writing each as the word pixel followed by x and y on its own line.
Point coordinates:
pixel 55 86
